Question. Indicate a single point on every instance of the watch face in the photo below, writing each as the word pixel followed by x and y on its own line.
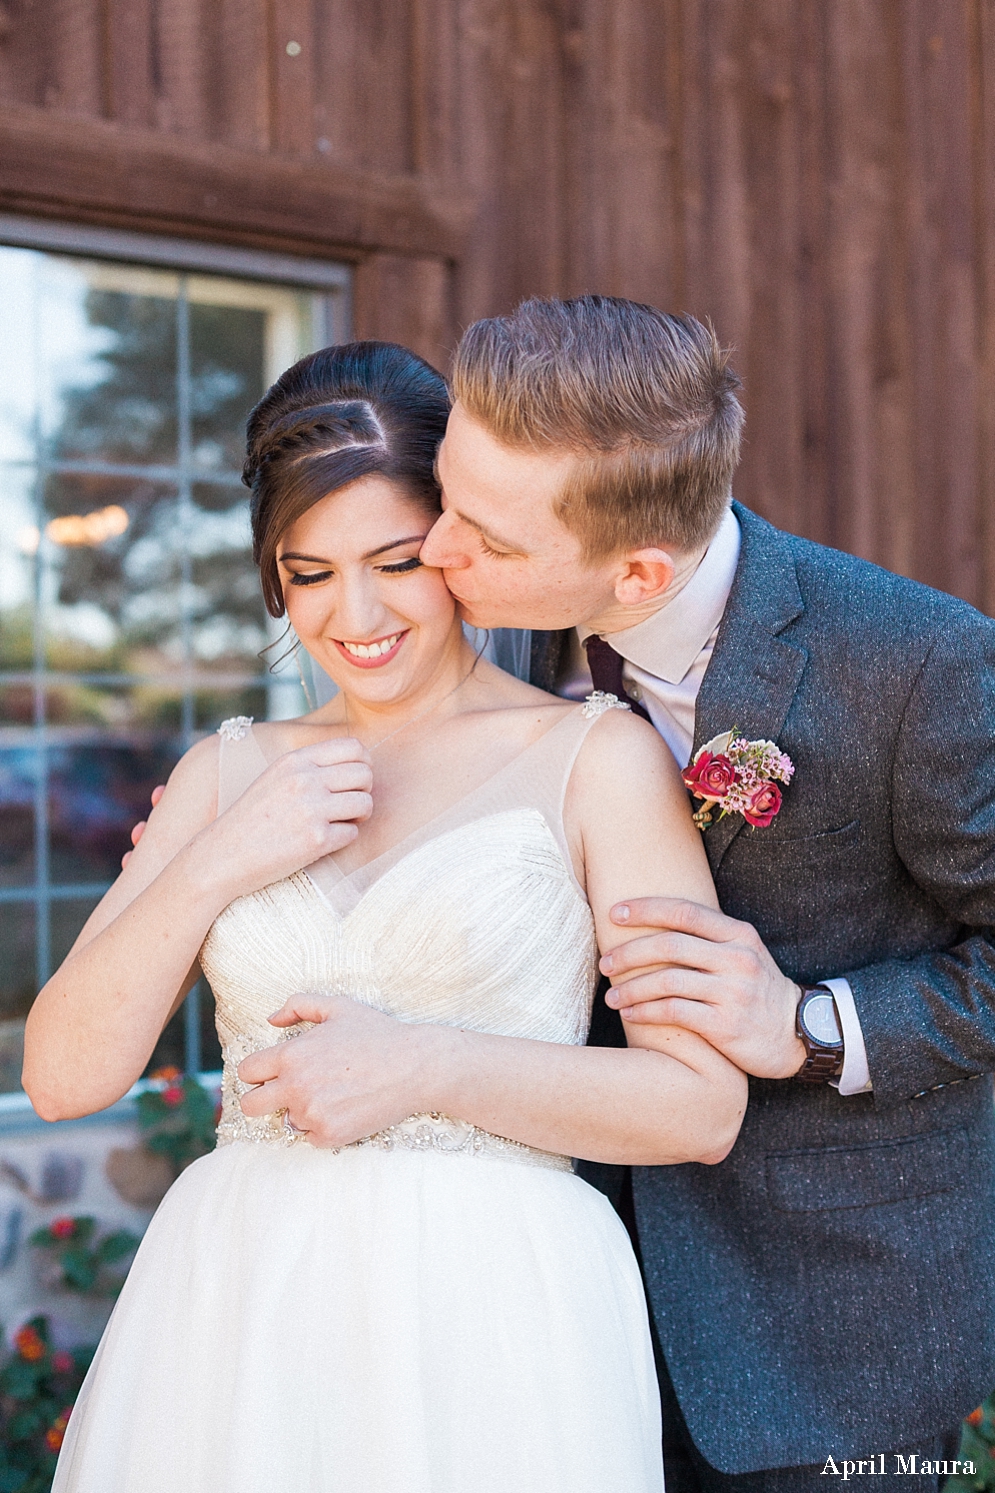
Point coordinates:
pixel 818 1017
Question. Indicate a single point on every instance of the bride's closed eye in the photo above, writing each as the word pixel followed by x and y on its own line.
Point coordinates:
pixel 310 578
pixel 401 567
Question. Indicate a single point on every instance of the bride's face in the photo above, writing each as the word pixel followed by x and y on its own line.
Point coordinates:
pixel 377 621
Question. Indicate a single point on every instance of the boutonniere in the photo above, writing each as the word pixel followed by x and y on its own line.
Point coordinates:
pixel 738 776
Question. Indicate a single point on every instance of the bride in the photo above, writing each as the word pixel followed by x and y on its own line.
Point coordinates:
pixel 433 1309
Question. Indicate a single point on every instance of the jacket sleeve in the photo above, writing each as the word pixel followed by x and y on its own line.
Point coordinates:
pixel 929 1019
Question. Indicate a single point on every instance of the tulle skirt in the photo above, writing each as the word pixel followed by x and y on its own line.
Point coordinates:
pixel 301 1321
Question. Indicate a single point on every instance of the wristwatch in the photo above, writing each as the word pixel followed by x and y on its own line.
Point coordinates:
pixel 817 1023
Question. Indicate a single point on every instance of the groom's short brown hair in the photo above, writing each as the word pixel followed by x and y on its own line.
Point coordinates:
pixel 647 402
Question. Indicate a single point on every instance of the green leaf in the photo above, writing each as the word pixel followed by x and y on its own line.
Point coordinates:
pixel 117 1245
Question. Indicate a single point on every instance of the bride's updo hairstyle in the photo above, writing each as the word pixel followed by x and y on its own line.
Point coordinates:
pixel 356 410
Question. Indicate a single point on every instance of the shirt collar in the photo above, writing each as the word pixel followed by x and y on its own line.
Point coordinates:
pixel 668 643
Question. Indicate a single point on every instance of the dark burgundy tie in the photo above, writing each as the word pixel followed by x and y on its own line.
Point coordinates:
pixel 606 672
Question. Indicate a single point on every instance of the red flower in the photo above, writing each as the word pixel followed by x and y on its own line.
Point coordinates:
pixel 62 1228
pixel 764 804
pixel 708 776
pixel 62 1362
pixel 29 1344
pixel 173 1095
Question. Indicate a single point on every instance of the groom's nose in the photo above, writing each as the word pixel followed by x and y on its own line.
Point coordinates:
pixel 442 548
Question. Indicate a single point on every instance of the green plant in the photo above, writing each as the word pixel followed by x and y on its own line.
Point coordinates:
pixel 83 1262
pixel 38 1388
pixel 977 1445
pixel 177 1117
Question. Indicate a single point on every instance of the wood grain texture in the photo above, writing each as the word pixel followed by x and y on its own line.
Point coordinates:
pixel 406 299
pixel 99 172
pixel 815 178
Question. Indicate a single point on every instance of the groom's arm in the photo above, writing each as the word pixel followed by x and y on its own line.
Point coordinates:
pixel 926 1019
pixel 929 1019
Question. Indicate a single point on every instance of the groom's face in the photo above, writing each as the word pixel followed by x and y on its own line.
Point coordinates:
pixel 507 557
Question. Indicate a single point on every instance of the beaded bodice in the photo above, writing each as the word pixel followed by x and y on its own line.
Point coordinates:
pixel 476 920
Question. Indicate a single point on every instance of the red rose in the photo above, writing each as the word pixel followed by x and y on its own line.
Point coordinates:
pixel 173 1095
pixel 976 1417
pixel 62 1362
pixel 708 776
pixel 62 1228
pixel 764 804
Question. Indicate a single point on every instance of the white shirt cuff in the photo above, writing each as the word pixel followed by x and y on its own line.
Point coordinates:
pixel 856 1076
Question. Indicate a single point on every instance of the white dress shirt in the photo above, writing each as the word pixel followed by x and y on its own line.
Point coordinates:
pixel 665 661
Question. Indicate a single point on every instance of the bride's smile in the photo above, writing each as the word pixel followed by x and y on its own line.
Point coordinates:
pixel 382 625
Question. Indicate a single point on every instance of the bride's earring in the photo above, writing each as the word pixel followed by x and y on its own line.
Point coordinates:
pixel 312 704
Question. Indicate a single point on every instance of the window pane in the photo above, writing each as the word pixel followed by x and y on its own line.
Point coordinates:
pixel 17 968
pixel 211 707
pixel 229 620
pixel 17 816
pixel 130 613
pixel 18 277
pixel 97 790
pixel 242 337
pixel 107 338
pixel 18 545
pixel 112 593
pixel 227 352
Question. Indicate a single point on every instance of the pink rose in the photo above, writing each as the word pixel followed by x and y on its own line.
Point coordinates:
pixel 764 804
pixel 62 1362
pixel 708 776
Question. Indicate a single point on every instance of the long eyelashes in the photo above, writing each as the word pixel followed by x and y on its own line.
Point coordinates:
pixel 309 580
pixel 403 567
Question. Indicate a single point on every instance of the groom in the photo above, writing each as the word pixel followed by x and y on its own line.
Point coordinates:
pixel 828 1290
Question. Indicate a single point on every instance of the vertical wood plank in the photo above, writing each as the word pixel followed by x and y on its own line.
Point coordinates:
pixel 294 27
pixel 363 84
pixel 406 299
pixel 77 40
pixel 183 76
pixel 134 61
pixel 26 63
pixel 982 23
pixel 238 78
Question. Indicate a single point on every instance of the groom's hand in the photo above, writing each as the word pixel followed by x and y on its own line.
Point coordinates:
pixel 708 973
pixel 354 1073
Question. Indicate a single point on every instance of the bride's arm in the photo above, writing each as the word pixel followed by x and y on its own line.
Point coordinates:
pixel 92 1029
pixel 670 1099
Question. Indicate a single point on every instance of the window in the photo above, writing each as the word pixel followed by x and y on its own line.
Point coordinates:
pixel 130 615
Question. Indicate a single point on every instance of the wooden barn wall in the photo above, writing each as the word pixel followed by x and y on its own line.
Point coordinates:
pixel 814 175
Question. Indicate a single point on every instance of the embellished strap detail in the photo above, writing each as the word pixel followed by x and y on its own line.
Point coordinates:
pixel 428 1132
pixel 597 703
pixel 240 759
pixel 235 728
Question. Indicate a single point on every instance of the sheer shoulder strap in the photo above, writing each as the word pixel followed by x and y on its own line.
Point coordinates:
pixel 240 759
pixel 539 776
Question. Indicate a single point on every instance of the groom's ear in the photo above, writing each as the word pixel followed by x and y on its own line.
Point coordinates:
pixel 644 576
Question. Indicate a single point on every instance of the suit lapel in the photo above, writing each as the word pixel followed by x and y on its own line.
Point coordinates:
pixel 754 673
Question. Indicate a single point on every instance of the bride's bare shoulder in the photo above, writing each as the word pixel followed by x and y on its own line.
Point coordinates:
pixel 622 751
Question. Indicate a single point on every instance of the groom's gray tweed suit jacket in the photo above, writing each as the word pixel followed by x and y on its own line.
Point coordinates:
pixel 830 1287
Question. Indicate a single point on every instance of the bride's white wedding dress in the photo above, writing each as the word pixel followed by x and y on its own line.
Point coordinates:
pixel 435 1309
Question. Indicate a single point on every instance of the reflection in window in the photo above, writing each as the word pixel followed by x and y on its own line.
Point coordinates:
pixel 130 615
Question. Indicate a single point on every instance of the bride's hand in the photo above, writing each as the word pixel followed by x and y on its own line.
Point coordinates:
pixel 307 804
